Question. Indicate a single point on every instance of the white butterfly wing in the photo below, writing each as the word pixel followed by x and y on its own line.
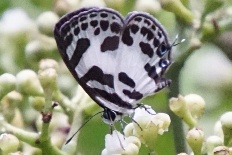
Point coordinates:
pixel 117 62
pixel 144 55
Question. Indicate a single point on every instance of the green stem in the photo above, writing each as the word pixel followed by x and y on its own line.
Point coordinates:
pixel 25 136
pixel 64 102
pixel 71 147
pixel 174 73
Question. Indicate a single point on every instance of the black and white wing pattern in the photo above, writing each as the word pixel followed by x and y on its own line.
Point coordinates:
pixel 117 61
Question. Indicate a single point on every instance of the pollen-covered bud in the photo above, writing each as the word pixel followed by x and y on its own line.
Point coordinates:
pixel 195 138
pixel 28 83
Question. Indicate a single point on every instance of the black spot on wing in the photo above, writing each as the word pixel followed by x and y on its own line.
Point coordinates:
pixel 76 31
pixel 134 28
pixel 81 47
pixel 138 19
pixel 84 26
pixel 92 15
pixel 115 27
pixel 110 44
pixel 104 25
pixel 96 74
pixel 94 23
pixel 126 38
pixel 153 27
pixel 160 34
pixel 145 31
pixel 147 22
pixel 68 40
pixel 104 15
pixel 83 18
pixel 156 42
pixel 124 78
pixel 151 71
pixel 146 49
pixel 133 95
pixel 97 31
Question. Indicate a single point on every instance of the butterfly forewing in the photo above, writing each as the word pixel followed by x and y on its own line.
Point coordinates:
pixel 117 62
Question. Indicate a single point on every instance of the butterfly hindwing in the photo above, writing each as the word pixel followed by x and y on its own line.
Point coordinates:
pixel 144 46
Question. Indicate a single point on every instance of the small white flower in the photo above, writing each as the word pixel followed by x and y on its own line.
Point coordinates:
pixel 195 104
pixel 148 125
pixel 117 144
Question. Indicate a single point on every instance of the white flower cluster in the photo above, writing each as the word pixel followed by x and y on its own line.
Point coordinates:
pixel 145 128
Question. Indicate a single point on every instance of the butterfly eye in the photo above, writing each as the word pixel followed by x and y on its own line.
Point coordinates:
pixel 163 63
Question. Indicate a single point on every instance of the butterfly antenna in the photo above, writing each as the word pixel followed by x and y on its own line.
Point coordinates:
pixel 82 127
pixel 175 41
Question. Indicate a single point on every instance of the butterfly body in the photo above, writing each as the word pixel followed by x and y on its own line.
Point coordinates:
pixel 118 62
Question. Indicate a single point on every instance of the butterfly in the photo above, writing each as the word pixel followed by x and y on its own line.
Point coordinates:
pixel 118 61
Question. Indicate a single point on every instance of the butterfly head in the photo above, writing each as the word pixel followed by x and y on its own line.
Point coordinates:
pixel 110 116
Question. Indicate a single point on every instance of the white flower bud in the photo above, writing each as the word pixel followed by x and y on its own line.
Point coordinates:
pixel 212 142
pixel 7 83
pixel 46 22
pixel 226 123
pixel 179 107
pixel 118 144
pixel 28 83
pixel 41 46
pixel 48 78
pixel 48 63
pixel 196 104
pixel 195 138
pixel 218 130
pixel 8 143
pixel 226 120
pixel 182 154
